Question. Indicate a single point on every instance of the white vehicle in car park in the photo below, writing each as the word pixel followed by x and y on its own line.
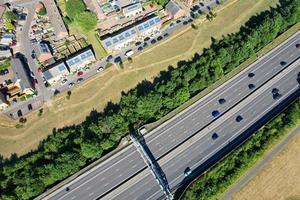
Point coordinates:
pixel 129 53
pixel 100 69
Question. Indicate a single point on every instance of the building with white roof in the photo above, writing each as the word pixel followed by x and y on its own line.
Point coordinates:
pixel 123 37
pixel 132 10
pixel 80 59
pixel 55 72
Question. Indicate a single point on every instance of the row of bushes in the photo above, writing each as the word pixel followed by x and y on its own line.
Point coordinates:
pixel 69 149
pixel 219 178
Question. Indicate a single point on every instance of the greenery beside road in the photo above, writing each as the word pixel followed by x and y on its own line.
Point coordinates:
pixel 217 179
pixel 71 148
pixel 4 64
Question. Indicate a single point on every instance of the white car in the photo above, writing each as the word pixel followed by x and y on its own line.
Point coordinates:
pixel 100 69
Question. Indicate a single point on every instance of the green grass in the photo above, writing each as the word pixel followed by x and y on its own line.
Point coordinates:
pixel 92 39
pixel 5 64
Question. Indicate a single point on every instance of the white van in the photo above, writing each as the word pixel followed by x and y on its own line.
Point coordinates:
pixel 129 53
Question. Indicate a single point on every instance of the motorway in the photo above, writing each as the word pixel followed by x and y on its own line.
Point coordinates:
pixel 124 165
pixel 201 147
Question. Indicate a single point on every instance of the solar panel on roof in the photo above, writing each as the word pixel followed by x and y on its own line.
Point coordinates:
pixel 108 43
pixel 115 40
pixel 121 37
pixel 133 31
pixel 61 67
pixel 47 75
pixel 151 23
pixel 157 20
pixel 127 34
pixel 140 28
pixel 146 25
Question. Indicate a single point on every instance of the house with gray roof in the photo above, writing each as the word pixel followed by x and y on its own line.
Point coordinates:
pixel 54 73
pixel 42 51
pixel 174 10
pixel 22 77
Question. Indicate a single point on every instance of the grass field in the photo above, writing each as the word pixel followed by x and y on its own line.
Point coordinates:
pixel 279 179
pixel 96 92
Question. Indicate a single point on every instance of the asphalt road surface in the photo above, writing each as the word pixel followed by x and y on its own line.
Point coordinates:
pixel 201 147
pixel 124 165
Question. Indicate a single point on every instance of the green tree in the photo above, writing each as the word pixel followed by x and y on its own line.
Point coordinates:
pixel 42 11
pixel 9 25
pixel 10 16
pixel 74 8
pixel 87 20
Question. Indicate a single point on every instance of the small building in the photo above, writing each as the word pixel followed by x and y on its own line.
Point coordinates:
pixel 55 72
pixel 23 79
pixel 174 10
pixel 80 59
pixel 42 51
pixel 56 19
pixel 132 10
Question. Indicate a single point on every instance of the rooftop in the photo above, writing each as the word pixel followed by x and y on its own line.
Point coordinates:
pixel 55 70
pixel 173 7
pixel 55 19
pixel 130 31
pixel 21 73
pixel 80 56
pixel 132 7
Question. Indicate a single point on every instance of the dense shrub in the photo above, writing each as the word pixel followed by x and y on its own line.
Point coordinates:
pixel 86 20
pixel 74 7
pixel 71 148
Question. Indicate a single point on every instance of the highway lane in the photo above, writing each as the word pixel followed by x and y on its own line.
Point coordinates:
pixel 119 169
pixel 201 147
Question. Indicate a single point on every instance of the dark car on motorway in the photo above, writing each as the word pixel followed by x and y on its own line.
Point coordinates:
pixel 215 113
pixel 250 75
pixel 153 41
pixel 239 118
pixel 118 60
pixel 214 136
pixel 222 101
pixel 251 86
pixel 282 63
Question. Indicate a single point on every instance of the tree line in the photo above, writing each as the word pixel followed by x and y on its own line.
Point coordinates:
pixel 69 149
pixel 213 183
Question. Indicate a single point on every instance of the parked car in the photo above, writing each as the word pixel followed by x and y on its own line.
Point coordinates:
pixel 64 81
pixel 215 113
pixel 129 53
pixel 3 72
pixel 153 41
pixel 80 73
pixel 146 39
pixel 140 49
pixel 298 46
pixel 71 84
pixel 166 34
pixel 100 69
pixel 109 58
pixel 159 38
pixel 79 80
pixel 138 43
pixel 118 60
pixel 214 136
pixel 4 48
